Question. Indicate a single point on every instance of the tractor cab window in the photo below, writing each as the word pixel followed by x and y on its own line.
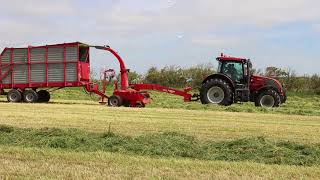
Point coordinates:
pixel 84 54
pixel 232 69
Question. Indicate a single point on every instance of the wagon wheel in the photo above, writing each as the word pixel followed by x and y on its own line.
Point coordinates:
pixel 44 96
pixel 14 95
pixel 30 96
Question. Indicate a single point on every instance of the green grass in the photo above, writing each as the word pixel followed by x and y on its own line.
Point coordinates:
pixel 35 163
pixel 205 125
pixel 168 144
pixel 298 103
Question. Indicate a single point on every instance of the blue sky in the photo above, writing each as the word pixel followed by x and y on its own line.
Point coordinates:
pixel 149 33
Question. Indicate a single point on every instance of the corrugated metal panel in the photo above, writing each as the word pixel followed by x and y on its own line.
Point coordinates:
pixel 72 72
pixel 6 80
pixel 38 55
pixel 72 54
pixel 20 74
pixel 56 73
pixel 55 54
pixel 6 56
pixel 38 73
pixel 20 55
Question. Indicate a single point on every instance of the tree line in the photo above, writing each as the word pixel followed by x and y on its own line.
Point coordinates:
pixel 293 82
pixel 176 76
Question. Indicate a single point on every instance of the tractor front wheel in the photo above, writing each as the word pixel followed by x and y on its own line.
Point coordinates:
pixel 115 101
pixel 268 98
pixel 216 91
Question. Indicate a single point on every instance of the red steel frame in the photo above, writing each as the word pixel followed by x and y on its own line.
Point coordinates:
pixel 156 87
pixel 133 93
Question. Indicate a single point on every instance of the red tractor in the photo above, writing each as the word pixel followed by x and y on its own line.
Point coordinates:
pixel 234 83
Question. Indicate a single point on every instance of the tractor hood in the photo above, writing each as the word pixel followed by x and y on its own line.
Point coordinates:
pixel 261 82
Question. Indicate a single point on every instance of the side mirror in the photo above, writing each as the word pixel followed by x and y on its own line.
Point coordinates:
pixel 249 64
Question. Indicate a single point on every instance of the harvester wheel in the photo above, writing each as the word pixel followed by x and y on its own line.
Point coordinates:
pixel 14 95
pixel 115 101
pixel 268 98
pixel 216 91
pixel 2 92
pixel 43 96
pixel 30 96
pixel 140 105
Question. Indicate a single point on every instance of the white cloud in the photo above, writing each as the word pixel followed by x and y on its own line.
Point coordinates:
pixel 145 16
pixel 37 8
pixel 215 41
pixel 205 23
pixel 316 28
pixel 205 15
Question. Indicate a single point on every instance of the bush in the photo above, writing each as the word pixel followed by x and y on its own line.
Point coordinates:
pixel 175 76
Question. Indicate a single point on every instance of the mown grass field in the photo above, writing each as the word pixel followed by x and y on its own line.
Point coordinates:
pixel 69 138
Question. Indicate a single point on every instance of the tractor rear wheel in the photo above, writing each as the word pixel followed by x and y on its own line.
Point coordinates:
pixel 216 91
pixel 115 101
pixel 268 98
pixel 14 95
pixel 44 96
pixel 30 96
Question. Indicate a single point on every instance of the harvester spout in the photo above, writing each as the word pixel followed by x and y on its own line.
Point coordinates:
pixel 123 70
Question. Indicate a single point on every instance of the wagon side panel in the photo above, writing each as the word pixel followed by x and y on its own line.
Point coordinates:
pixel 46 66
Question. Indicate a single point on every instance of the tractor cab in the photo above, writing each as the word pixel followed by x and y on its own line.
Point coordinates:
pixel 237 69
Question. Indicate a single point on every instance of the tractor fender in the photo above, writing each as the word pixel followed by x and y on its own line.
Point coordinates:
pixel 269 84
pixel 272 84
pixel 220 76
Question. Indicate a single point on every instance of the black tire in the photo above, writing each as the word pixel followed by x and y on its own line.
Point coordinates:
pixel 140 105
pixel 220 86
pixel 30 96
pixel 43 96
pixel 2 92
pixel 284 97
pixel 115 101
pixel 268 98
pixel 14 95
